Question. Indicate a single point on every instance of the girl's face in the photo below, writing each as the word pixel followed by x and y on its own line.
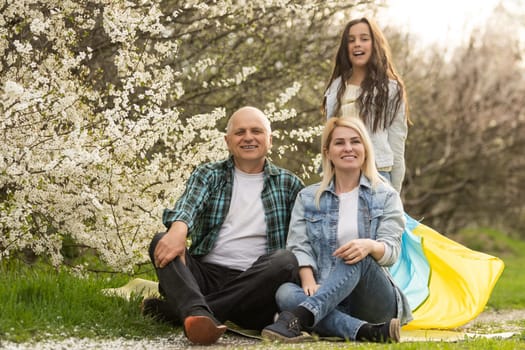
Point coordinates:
pixel 359 45
pixel 346 150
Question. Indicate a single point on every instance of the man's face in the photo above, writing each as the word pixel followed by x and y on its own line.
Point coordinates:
pixel 248 138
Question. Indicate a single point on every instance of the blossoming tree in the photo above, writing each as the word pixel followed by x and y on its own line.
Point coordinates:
pixel 107 106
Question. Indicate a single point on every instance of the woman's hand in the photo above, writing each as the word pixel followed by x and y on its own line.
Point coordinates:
pixel 310 289
pixel 355 250
pixel 308 282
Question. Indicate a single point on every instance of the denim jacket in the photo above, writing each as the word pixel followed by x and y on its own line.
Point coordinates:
pixel 389 144
pixel 312 235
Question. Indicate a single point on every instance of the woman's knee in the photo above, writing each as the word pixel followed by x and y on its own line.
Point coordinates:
pixel 289 296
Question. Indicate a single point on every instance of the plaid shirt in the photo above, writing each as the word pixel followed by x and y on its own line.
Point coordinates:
pixel 206 200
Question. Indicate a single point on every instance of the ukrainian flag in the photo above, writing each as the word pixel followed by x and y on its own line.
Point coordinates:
pixel 446 283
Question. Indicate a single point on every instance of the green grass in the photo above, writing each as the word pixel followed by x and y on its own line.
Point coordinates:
pixel 39 302
pixel 509 290
pixel 478 344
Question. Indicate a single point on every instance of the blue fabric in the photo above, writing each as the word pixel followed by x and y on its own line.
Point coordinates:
pixel 411 272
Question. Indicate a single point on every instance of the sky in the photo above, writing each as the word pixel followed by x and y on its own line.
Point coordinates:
pixel 443 22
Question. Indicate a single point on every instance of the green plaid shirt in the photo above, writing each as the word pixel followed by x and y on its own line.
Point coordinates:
pixel 206 200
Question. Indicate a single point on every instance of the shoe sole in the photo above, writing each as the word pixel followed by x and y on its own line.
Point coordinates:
pixel 394 330
pixel 202 330
pixel 273 336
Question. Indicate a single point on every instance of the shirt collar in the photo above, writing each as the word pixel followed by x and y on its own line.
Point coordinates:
pixel 269 167
pixel 363 182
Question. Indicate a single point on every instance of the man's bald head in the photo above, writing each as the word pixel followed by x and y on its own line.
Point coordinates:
pixel 249 110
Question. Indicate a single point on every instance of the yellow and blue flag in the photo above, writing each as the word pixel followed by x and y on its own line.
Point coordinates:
pixel 446 283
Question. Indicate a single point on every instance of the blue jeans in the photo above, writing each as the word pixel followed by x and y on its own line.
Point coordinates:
pixel 349 297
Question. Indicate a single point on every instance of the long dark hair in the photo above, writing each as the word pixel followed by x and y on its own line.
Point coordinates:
pixel 377 110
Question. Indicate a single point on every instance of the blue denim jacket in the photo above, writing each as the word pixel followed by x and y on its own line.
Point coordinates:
pixel 312 235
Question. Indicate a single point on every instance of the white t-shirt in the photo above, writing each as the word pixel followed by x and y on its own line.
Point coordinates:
pixel 242 237
pixel 347 226
pixel 349 102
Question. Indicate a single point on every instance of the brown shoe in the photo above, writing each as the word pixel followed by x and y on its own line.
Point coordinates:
pixel 203 330
pixel 394 330
pixel 388 332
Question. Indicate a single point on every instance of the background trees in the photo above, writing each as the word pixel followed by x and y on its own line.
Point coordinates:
pixel 465 162
pixel 107 106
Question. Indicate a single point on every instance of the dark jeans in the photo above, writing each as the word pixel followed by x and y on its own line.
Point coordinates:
pixel 246 298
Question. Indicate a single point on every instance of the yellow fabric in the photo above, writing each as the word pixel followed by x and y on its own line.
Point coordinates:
pixel 135 287
pixel 461 281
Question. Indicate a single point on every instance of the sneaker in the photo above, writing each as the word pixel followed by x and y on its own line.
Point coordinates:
pixel 388 332
pixel 286 329
pixel 202 328
pixel 159 310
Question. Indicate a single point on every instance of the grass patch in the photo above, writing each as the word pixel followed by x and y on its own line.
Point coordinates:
pixel 508 292
pixel 39 302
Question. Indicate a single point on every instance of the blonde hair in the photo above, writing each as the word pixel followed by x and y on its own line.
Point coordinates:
pixel 369 168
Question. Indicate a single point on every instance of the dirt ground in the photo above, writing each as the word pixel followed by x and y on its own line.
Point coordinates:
pixel 486 322
pixel 499 316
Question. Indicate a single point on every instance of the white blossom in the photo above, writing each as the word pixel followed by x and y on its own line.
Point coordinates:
pixel 38 26
pixel 23 48
pixel 13 89
pixel 78 158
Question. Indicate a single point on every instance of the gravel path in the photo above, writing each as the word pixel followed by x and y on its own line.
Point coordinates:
pixel 499 316
pixel 170 343
pixel 228 341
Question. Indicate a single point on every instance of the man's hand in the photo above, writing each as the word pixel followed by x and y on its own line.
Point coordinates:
pixel 170 246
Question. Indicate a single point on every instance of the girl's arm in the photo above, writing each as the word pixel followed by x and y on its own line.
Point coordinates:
pixel 397 135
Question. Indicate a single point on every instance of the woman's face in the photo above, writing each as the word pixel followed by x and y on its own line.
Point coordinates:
pixel 346 150
pixel 359 44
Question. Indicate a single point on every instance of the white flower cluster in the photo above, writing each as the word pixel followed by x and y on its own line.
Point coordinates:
pixel 82 161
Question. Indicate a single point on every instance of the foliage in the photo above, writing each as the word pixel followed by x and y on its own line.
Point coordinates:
pixel 464 151
pixel 107 106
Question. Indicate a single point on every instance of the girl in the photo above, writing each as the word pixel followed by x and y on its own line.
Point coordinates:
pixel 364 84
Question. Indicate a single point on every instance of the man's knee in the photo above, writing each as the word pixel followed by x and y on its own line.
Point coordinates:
pixel 283 266
pixel 284 260
pixel 154 243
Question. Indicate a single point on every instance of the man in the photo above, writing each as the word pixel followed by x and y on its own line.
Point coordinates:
pixel 236 212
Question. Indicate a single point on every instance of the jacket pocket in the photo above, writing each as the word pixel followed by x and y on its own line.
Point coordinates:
pixel 375 216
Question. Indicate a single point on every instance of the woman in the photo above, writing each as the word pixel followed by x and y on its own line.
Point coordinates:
pixel 364 84
pixel 344 231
